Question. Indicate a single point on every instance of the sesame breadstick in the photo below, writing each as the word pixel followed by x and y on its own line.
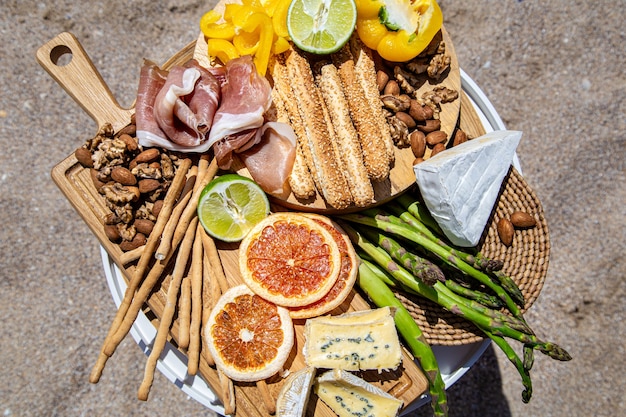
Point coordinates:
pixel 348 146
pixel 365 68
pixel 334 187
pixel 372 144
pixel 301 179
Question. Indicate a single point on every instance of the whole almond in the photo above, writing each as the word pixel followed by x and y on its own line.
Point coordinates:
pixel 148 155
pixel 459 137
pixel 123 176
pixel 130 129
pixel 148 185
pixel 96 181
pixel 131 144
pixel 144 226
pixel 430 125
pixel 436 137
pixel 418 143
pixel 522 219
pixel 417 161
pixel 110 230
pixel 156 208
pixel 440 147
pixel 392 88
pixel 381 79
pixel 406 119
pixel 138 240
pixel 83 156
pixel 505 231
pixel 419 112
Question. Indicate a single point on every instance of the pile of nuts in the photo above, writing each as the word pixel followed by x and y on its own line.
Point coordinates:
pixel 414 120
pixel 132 180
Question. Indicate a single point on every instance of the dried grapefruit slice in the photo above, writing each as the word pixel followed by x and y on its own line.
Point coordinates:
pixel 289 259
pixel 347 275
pixel 250 338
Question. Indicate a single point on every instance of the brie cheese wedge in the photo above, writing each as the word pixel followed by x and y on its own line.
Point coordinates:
pixel 461 185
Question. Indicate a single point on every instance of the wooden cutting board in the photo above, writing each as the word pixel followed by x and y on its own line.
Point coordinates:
pixel 82 81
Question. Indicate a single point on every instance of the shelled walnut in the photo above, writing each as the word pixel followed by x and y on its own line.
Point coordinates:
pixel 132 180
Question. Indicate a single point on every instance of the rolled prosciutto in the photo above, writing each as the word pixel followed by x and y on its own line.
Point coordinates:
pixel 246 96
pixel 177 112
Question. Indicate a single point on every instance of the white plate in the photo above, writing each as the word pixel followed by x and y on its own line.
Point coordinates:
pixel 454 361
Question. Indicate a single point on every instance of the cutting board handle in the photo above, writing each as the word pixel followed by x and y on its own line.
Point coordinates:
pixel 81 80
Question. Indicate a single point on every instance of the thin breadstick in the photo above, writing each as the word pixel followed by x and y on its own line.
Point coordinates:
pixel 184 313
pixel 168 233
pixel 266 395
pixel 210 251
pixel 209 297
pixel 228 393
pixel 144 261
pixel 197 257
pixel 190 209
pixel 132 255
pixel 168 312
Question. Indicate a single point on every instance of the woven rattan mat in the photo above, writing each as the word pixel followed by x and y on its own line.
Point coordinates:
pixel 526 261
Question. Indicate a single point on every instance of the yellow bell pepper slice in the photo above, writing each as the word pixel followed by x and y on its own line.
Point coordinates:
pixel 279 18
pixel 263 24
pixel 398 29
pixel 211 29
pixel 222 50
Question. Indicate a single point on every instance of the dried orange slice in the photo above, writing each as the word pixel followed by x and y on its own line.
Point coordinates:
pixel 347 275
pixel 250 338
pixel 289 259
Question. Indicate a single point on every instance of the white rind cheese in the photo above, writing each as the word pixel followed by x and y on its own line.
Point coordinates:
pixel 350 396
pixel 353 341
pixel 461 185
pixel 294 396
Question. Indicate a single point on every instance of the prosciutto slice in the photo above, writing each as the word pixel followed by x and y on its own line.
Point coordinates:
pixel 271 160
pixel 182 109
pixel 246 96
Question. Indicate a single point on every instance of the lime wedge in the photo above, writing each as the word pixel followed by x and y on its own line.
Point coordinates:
pixel 321 26
pixel 229 206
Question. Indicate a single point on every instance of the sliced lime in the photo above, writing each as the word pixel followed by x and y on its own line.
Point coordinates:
pixel 229 206
pixel 321 26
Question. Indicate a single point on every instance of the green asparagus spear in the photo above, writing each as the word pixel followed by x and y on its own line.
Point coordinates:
pixel 369 281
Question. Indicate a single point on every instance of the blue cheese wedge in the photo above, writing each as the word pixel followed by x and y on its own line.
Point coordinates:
pixel 353 341
pixel 460 186
pixel 350 396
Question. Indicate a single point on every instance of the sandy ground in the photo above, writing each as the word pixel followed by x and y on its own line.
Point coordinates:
pixel 554 70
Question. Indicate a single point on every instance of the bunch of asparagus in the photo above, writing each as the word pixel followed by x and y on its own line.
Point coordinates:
pixel 403 249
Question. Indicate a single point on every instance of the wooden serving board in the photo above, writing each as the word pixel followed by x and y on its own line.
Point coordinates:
pixel 82 81
pixel 401 175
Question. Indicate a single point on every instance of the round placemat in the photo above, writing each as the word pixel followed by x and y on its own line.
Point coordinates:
pixel 526 261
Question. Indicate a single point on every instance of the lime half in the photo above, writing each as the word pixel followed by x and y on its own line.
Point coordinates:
pixel 321 26
pixel 229 206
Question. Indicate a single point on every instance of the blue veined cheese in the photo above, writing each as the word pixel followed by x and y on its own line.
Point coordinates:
pixel 350 396
pixel 461 185
pixel 353 341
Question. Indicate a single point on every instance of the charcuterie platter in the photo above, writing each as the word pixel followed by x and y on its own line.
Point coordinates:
pixel 260 201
